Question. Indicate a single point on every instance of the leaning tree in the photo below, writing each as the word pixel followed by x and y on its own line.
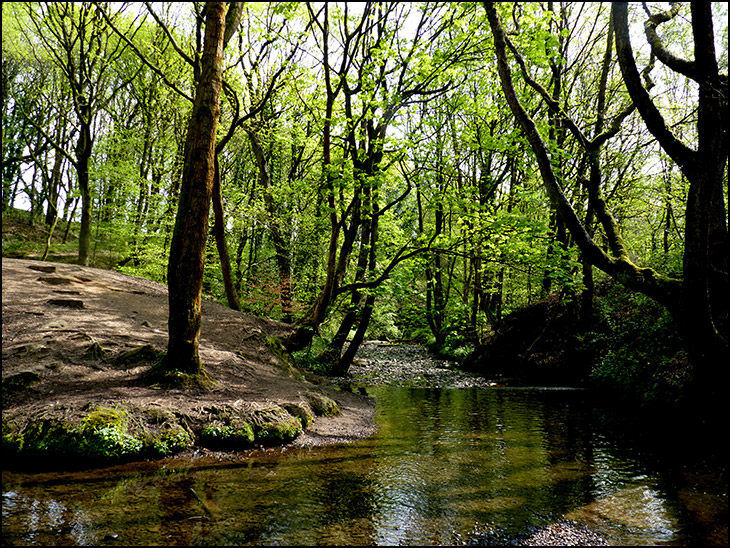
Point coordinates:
pixel 698 300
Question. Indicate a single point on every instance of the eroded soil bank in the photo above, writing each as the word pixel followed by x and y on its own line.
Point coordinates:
pixel 76 343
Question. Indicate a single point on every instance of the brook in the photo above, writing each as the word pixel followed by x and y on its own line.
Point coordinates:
pixel 443 460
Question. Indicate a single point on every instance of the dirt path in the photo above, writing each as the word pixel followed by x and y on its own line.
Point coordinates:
pixel 67 332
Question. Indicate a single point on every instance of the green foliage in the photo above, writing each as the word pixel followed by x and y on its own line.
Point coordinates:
pixel 384 324
pixel 641 354
pixel 101 436
pixel 310 357
pixel 454 348
pixel 104 437
pixel 109 444
pixel 455 180
pixel 236 435
pixel 171 442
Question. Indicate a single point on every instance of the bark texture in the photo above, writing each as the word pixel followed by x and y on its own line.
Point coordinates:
pixel 187 249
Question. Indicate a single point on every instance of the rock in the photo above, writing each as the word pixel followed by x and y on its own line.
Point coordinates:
pixel 48 269
pixel 94 352
pixel 146 353
pixel 275 426
pixel 68 303
pixel 302 411
pixel 19 382
pixel 55 280
pixel 407 365
pixel 322 405
pixel 27 350
pixel 565 534
pixel 235 435
pixel 560 533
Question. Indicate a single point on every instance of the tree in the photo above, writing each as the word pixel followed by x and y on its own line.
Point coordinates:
pixel 704 277
pixel 187 249
pixel 75 37
pixel 701 308
pixel 379 70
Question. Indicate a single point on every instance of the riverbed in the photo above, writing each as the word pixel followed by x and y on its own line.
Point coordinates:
pixel 451 463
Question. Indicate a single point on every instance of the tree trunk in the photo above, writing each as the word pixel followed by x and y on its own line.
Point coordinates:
pixel 219 230
pixel 701 311
pixel 187 249
pixel 281 247
pixel 688 299
pixel 83 153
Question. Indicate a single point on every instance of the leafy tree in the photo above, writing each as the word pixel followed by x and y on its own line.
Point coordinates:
pixel 73 35
pixel 686 298
pixel 187 249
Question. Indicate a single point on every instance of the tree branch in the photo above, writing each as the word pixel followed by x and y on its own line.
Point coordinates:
pixel 677 64
pixel 678 151
pixel 142 58
pixel 646 280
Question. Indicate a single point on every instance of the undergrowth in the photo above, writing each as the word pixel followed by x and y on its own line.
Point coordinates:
pixel 641 357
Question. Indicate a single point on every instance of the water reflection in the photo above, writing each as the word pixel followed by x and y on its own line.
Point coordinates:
pixel 441 461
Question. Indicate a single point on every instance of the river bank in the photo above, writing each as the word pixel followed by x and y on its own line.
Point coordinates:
pixel 380 363
pixel 532 467
pixel 77 342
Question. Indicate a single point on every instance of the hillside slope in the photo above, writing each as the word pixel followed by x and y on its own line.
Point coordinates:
pixel 77 341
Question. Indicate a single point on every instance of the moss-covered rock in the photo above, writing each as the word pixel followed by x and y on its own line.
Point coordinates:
pixel 94 352
pixel 109 445
pixel 170 442
pixel 105 417
pixel 145 353
pixel 18 383
pixel 275 426
pixel 323 406
pixel 302 410
pixel 104 435
pixel 235 435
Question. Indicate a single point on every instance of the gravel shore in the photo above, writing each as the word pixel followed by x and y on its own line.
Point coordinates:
pixel 379 363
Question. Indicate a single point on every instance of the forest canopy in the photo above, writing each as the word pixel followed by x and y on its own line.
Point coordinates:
pixel 394 169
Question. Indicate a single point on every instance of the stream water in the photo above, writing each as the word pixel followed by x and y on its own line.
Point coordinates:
pixel 443 460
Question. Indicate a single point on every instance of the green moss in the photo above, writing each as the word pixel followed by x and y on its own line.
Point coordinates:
pixel 94 352
pixel 100 437
pixel 146 353
pixel 161 374
pixel 12 439
pixel 236 435
pixel 323 406
pixel 104 417
pixel 275 426
pixel 302 411
pixel 171 442
pixel 49 438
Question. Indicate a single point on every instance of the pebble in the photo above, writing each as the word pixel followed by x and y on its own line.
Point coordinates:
pixel 378 363
pixel 565 534
pixel 559 533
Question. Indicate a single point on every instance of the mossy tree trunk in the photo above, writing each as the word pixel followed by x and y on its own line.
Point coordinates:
pixel 187 249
